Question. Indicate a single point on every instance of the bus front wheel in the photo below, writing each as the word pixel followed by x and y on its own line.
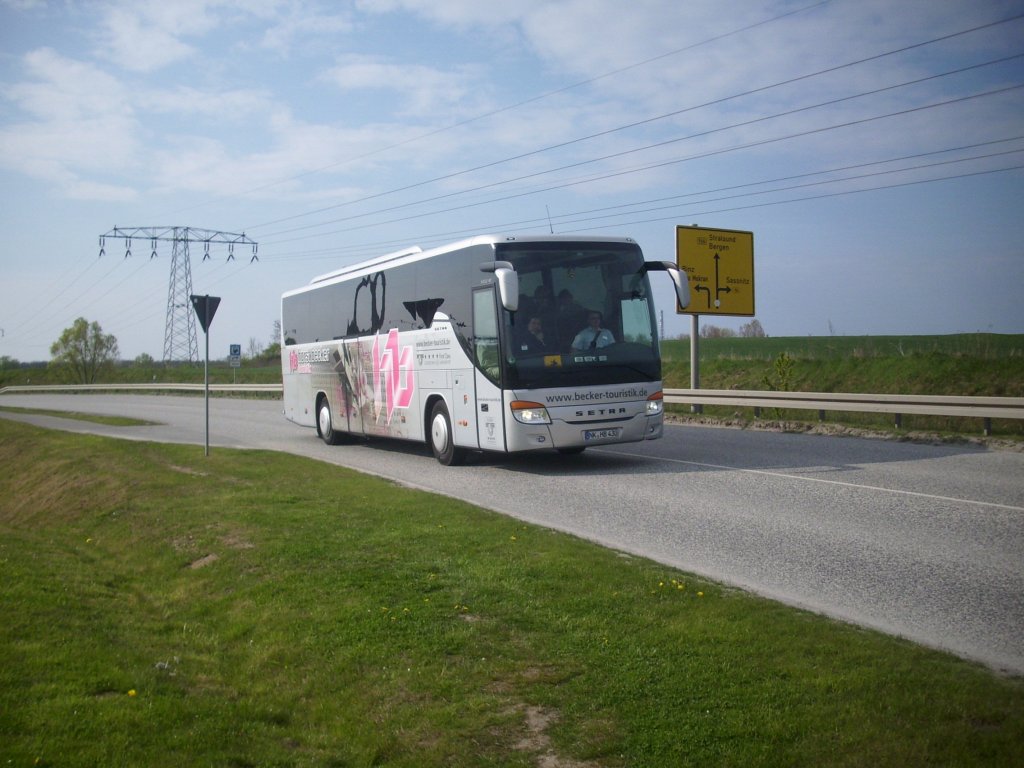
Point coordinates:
pixel 442 441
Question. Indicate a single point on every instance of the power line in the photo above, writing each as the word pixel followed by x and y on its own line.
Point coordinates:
pixel 775 190
pixel 675 113
pixel 838 169
pixel 814 197
pixel 604 177
pixel 72 280
pixel 569 217
pixel 516 105
pixel 31 320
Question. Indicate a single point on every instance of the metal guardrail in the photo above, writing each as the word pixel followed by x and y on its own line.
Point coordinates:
pixel 141 388
pixel 986 408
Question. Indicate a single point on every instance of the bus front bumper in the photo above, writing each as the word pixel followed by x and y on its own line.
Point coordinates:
pixel 566 434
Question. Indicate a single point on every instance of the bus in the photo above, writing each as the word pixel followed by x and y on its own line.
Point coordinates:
pixel 493 343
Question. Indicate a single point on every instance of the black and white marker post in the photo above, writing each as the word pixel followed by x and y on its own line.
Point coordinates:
pixel 206 308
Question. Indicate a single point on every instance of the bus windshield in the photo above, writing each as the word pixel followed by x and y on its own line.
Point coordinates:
pixel 584 316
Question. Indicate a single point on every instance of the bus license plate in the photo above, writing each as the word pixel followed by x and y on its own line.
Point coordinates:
pixel 601 434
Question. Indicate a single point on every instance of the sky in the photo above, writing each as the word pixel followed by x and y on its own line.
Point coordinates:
pixel 875 149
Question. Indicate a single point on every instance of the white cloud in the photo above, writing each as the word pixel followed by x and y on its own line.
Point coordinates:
pixel 458 13
pixel 60 88
pixel 423 89
pixel 298 26
pixel 146 36
pixel 182 100
pixel 290 149
pixel 81 122
pixel 23 5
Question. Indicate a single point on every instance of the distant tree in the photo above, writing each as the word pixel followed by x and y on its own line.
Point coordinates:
pixel 715 332
pixel 83 351
pixel 273 349
pixel 8 365
pixel 272 353
pixel 144 361
pixel 254 348
pixel 752 330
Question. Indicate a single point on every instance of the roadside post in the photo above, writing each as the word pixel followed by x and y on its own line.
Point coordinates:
pixel 720 266
pixel 235 356
pixel 206 308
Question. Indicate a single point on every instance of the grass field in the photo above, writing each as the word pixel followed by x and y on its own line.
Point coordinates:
pixel 983 346
pixel 965 364
pixel 256 609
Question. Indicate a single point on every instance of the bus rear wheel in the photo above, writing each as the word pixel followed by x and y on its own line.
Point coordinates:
pixel 324 424
pixel 442 441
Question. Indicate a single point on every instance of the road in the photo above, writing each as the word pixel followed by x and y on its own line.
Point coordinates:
pixel 920 541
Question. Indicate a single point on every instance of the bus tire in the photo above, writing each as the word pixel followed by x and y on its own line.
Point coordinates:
pixel 324 425
pixel 442 441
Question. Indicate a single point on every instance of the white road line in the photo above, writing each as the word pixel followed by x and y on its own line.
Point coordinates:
pixel 841 483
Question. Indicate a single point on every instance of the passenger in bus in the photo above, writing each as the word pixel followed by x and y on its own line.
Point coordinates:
pixel 543 299
pixel 593 336
pixel 567 305
pixel 532 342
pixel 571 315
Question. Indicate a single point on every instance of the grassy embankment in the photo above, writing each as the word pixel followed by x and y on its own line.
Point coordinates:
pixel 258 609
pixel 966 364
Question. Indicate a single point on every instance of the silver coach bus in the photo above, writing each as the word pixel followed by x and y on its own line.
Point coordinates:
pixel 490 344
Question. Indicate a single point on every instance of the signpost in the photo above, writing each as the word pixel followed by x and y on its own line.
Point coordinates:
pixel 720 266
pixel 235 357
pixel 206 308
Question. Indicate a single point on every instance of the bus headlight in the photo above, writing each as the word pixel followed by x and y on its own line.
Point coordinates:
pixel 655 404
pixel 527 412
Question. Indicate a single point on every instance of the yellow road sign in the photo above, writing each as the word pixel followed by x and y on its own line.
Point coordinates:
pixel 720 265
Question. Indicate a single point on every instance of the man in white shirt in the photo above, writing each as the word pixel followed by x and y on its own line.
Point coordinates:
pixel 593 336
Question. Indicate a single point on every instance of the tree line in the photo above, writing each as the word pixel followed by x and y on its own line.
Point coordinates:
pixel 84 353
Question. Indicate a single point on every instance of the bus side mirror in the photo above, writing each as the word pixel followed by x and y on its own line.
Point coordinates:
pixel 679 279
pixel 508 282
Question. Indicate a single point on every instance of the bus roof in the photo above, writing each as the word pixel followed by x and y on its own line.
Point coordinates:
pixel 415 253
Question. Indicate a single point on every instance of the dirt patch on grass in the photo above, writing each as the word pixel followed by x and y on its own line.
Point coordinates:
pixel 236 541
pixel 204 561
pixel 187 471
pixel 537 741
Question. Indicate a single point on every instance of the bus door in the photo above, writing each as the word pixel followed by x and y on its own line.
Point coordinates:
pixel 351 381
pixel 487 354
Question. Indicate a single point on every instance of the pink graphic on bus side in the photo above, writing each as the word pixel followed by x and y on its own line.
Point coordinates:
pixel 393 372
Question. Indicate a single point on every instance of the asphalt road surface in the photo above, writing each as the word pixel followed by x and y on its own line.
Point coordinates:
pixel 921 541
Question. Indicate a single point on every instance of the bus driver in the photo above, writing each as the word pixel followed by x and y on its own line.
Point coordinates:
pixel 593 336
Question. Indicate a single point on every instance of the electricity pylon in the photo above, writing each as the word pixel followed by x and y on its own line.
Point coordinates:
pixel 180 328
